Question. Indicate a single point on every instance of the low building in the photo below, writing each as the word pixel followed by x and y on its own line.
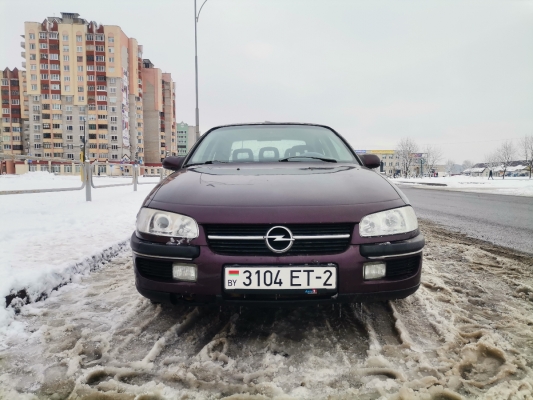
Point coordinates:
pixel 479 169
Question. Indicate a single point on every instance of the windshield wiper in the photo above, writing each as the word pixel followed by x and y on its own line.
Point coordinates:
pixel 314 158
pixel 206 162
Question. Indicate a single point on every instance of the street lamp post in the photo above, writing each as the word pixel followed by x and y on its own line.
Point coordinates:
pixel 196 17
pixel 84 139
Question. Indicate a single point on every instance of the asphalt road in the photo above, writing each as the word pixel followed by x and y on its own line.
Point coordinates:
pixel 499 219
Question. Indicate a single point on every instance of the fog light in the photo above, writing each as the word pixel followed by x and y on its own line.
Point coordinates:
pixel 374 270
pixel 184 272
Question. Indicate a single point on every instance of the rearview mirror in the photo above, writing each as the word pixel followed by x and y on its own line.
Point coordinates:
pixel 173 163
pixel 370 160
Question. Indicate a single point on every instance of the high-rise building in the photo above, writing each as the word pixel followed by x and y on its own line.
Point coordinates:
pixel 14 113
pixel 186 138
pixel 159 113
pixel 84 85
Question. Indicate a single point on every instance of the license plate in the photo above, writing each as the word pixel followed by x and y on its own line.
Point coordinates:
pixel 275 278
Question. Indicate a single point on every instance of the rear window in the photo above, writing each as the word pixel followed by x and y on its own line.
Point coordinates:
pixel 271 143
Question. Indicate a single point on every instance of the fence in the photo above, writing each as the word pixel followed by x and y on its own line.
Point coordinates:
pixel 87 170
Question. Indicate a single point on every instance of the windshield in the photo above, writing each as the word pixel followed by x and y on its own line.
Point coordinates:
pixel 271 143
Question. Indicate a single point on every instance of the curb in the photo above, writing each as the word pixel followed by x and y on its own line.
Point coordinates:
pixel 91 263
pixel 423 183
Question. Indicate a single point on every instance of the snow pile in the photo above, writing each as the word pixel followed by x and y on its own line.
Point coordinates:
pixel 514 186
pixel 47 238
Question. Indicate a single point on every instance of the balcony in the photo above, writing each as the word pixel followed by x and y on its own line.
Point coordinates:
pixel 24 64
pixel 23 54
pixel 23 45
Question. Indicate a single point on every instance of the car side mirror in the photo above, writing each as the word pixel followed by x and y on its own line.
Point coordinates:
pixel 370 160
pixel 173 163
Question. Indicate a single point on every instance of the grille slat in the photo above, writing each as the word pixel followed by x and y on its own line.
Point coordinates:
pixel 154 268
pixel 259 248
pixel 403 268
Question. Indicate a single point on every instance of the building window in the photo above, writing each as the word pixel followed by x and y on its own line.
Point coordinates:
pixel 54 67
pixel 65 48
pixel 79 49
pixel 54 77
pixel 100 48
pixel 54 56
pixel 100 68
pixel 89 37
pixel 43 45
pixel 65 38
pixel 32 46
pixel 80 68
pixel 32 36
pixel 81 98
pixel 56 87
pixel 44 77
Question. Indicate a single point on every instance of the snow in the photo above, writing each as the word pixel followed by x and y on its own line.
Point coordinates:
pixel 513 186
pixel 453 339
pixel 49 238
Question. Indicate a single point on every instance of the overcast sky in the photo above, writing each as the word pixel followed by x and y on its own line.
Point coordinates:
pixel 456 74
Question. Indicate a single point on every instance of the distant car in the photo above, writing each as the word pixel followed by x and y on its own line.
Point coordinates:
pixel 275 214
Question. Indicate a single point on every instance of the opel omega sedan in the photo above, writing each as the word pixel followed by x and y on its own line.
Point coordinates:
pixel 275 214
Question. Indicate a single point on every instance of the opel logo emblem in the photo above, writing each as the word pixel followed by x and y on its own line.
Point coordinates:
pixel 279 239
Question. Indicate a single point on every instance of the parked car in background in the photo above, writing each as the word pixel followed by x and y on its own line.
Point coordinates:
pixel 275 214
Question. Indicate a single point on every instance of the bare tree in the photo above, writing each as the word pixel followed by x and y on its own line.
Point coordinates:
pixel 467 164
pixel 405 150
pixel 433 157
pixel 526 148
pixel 505 154
pixel 491 160
pixel 449 166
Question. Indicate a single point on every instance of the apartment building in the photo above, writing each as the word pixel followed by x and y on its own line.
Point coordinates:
pixel 14 112
pixel 159 113
pixel 84 85
pixel 186 138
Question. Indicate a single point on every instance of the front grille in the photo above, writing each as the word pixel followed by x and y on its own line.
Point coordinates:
pixel 154 268
pixel 259 248
pixel 403 268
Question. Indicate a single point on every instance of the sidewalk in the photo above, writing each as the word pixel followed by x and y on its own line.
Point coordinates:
pixel 508 186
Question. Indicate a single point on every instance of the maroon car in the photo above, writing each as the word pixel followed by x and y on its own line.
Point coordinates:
pixel 275 213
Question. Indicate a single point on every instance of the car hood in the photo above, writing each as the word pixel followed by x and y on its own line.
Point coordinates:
pixel 208 192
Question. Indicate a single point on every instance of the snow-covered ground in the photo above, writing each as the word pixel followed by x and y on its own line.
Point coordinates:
pixel 510 185
pixel 47 238
pixel 466 334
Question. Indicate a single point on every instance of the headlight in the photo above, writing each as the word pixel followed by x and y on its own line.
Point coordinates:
pixel 164 223
pixel 390 222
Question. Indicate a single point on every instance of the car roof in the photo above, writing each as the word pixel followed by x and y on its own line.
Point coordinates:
pixel 271 123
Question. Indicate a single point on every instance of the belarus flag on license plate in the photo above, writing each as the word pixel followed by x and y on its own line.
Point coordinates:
pixel 233 272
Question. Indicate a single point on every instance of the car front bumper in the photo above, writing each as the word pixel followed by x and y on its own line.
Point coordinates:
pixel 404 256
